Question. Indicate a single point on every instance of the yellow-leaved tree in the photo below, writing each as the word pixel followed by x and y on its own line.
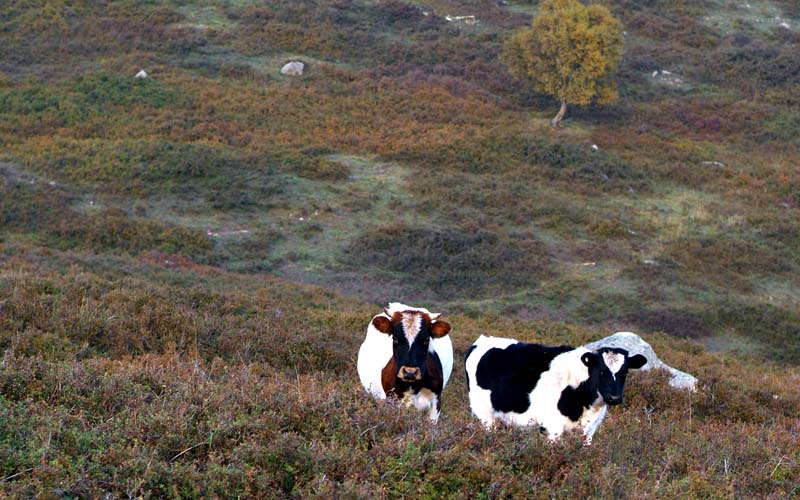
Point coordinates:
pixel 570 52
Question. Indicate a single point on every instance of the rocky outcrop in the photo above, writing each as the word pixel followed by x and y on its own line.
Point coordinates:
pixel 634 344
pixel 294 68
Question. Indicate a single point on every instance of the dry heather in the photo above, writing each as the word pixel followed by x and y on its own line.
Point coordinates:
pixel 188 261
pixel 240 386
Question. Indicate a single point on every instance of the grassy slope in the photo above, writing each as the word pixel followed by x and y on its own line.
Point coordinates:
pixel 141 220
pixel 407 126
pixel 212 384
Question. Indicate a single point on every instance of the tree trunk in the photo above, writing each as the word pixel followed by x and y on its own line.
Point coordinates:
pixel 556 121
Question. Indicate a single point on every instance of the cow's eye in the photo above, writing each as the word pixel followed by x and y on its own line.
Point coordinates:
pixel 395 341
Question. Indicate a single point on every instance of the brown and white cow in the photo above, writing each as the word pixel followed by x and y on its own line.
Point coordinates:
pixel 407 354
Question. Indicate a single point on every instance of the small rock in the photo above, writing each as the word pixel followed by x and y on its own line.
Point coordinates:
pixel 649 262
pixel 785 25
pixel 594 147
pixel 141 74
pixel 714 164
pixel 634 344
pixel 294 68
pixel 469 20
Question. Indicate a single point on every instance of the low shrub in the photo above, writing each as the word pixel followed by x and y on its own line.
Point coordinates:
pixel 52 214
pixel 676 322
pixel 322 169
pixel 777 328
pixel 448 260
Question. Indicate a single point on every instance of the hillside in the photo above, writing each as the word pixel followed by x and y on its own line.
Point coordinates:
pixel 188 261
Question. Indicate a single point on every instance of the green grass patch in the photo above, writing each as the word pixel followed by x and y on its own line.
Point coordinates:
pixel 763 16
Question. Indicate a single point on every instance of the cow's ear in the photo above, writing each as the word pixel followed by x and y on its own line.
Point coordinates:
pixel 382 324
pixel 637 361
pixel 439 329
pixel 589 359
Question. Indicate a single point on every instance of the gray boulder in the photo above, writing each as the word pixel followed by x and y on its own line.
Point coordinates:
pixel 634 344
pixel 294 68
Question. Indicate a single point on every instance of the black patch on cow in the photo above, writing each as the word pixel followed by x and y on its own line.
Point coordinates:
pixel 513 372
pixel 574 401
pixel 435 378
pixel 466 356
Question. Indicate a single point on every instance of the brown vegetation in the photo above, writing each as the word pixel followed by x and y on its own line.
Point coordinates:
pixel 155 341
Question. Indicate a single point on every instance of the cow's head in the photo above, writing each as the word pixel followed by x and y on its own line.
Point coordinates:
pixel 608 368
pixel 411 330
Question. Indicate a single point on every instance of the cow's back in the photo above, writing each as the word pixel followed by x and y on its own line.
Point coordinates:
pixel 479 398
pixel 512 373
pixel 443 347
pixel 511 381
pixel 373 355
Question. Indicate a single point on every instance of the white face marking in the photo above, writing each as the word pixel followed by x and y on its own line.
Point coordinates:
pixel 412 323
pixel 614 361
pixel 411 318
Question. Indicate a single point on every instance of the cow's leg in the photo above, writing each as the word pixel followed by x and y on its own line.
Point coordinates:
pixel 481 405
pixel 489 422
pixel 591 423
pixel 427 400
pixel 436 408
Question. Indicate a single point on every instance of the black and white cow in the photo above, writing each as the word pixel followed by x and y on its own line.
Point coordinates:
pixel 556 388
pixel 407 354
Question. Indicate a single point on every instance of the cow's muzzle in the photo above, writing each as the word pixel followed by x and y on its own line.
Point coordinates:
pixel 409 374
